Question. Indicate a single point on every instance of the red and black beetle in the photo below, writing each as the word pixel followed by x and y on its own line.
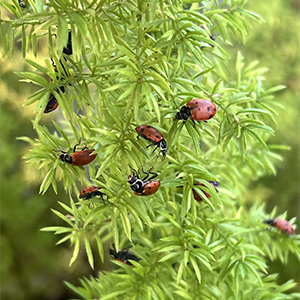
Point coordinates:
pixel 283 225
pixel 92 191
pixel 197 197
pixel 145 186
pixel 153 135
pixel 198 110
pixel 52 102
pixel 123 255
pixel 78 158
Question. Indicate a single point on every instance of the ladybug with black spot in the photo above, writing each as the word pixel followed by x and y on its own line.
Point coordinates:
pixel 197 197
pixel 197 110
pixel 153 135
pixel 145 186
pixel 283 225
pixel 123 255
pixel 78 158
pixel 91 192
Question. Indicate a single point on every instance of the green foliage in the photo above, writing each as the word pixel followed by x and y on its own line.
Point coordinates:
pixel 137 63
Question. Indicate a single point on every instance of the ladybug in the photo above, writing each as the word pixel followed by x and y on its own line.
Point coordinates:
pixel 52 102
pixel 78 158
pixel 68 49
pixel 123 255
pixel 92 191
pixel 283 225
pixel 215 184
pixel 142 187
pixel 153 135
pixel 198 110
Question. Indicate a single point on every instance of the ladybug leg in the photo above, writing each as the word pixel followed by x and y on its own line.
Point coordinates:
pixel 154 175
pixel 153 144
pixel 53 64
pixel 74 150
pixel 148 173
pixel 102 197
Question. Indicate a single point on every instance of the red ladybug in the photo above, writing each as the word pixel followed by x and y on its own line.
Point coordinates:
pixel 123 255
pixel 153 135
pixel 92 191
pixel 215 184
pixel 283 225
pixel 142 187
pixel 198 110
pixel 52 102
pixel 78 158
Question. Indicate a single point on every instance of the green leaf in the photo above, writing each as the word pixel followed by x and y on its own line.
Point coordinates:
pixel 89 252
pixel 62 33
pixel 76 251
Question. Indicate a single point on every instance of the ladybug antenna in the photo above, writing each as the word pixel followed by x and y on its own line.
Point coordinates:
pixel 132 169
pixel 59 151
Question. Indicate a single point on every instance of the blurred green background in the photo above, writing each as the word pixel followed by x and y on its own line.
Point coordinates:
pixel 32 267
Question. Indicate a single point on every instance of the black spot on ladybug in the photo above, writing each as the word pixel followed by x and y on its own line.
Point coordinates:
pixel 149 126
pixel 142 129
pixel 208 108
pixel 210 116
pixel 149 188
pixel 199 109
pixel 196 102
pixel 157 136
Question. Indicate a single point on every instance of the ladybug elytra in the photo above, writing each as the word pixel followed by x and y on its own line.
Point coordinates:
pixel 78 158
pixel 123 255
pixel 145 186
pixel 197 197
pixel 198 110
pixel 153 135
pixel 283 225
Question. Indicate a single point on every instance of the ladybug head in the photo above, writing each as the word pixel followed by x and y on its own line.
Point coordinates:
pixel 163 147
pixel 65 157
pixel 136 184
pixel 183 114
pixel 113 252
pixel 131 179
pixel 269 221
